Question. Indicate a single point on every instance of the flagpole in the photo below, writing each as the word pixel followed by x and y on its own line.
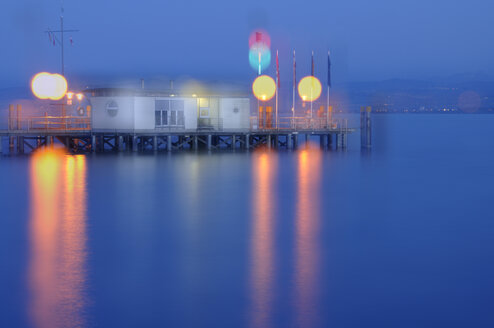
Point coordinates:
pixel 277 87
pixel 329 117
pixel 294 84
pixel 312 73
pixel 327 105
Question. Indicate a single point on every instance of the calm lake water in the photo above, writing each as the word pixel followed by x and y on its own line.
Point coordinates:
pixel 401 236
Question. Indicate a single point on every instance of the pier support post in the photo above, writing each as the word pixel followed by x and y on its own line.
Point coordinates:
pixel 247 141
pixel 209 141
pixel 365 127
pixel 289 141
pixel 268 140
pixel 306 140
pixel 121 145
pixel 93 143
pixel 196 143
pixel 49 141
pixel 368 127
pixel 20 145
pixel 276 141
pixel 134 143
pixel 330 140
pixel 155 143
pixel 234 141
pixel 1 148
pixel 295 140
pixel 169 142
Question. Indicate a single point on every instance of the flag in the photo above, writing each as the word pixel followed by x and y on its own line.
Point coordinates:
pixel 329 70
pixel 258 37
pixel 278 70
pixel 312 64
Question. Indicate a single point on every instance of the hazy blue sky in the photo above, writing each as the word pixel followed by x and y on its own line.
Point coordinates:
pixel 370 40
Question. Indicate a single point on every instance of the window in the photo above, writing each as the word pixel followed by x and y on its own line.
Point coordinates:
pixel 173 117
pixel 203 102
pixel 177 105
pixel 169 113
pixel 181 118
pixel 157 118
pixel 203 107
pixel 164 117
pixel 112 108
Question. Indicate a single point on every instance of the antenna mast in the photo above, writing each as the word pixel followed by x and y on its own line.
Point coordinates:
pixel 60 41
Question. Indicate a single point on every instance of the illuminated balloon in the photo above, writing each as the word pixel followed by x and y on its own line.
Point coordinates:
pixel 264 87
pixel 259 57
pixel 49 86
pixel 309 88
pixel 259 37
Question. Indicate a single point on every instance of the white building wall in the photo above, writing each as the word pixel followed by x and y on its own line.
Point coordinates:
pixel 144 113
pixel 138 113
pixel 101 118
pixel 235 113
pixel 190 113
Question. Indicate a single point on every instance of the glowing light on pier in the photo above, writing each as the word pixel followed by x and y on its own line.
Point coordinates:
pixel 259 50
pixel 264 87
pixel 49 86
pixel 259 57
pixel 309 88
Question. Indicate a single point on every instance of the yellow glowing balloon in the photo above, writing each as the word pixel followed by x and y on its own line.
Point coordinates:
pixel 49 86
pixel 264 87
pixel 309 88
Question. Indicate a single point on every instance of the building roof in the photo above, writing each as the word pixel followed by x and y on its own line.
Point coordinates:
pixel 130 92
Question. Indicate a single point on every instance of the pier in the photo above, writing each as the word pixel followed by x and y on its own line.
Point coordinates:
pixel 77 135
pixel 84 141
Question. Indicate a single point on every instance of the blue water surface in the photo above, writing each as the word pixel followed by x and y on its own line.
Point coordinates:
pixel 399 236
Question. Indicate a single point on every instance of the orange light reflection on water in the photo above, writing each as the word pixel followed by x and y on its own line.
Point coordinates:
pixel 262 257
pixel 306 237
pixel 57 273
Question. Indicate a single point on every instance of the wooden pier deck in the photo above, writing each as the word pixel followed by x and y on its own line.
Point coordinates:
pixel 87 140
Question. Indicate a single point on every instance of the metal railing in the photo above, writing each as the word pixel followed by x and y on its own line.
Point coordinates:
pixel 58 123
pixel 298 123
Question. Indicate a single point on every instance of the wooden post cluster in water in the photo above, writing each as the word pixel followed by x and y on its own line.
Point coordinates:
pixel 365 127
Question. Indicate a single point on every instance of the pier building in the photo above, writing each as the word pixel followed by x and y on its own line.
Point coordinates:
pixel 112 119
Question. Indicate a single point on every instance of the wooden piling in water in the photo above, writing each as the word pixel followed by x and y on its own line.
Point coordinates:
pixel 247 141
pixel 169 142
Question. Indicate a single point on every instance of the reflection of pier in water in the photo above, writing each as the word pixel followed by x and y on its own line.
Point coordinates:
pixel 262 243
pixel 57 272
pixel 306 238
pixel 306 270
